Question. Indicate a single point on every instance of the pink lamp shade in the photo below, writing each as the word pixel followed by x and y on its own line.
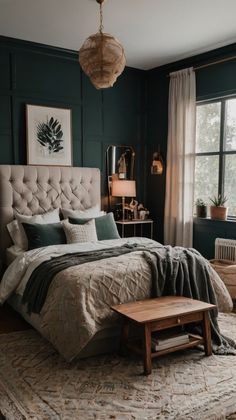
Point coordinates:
pixel 123 188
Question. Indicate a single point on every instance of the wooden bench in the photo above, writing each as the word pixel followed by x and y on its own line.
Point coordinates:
pixel 161 314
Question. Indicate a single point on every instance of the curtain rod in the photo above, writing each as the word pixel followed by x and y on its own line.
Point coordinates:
pixel 223 60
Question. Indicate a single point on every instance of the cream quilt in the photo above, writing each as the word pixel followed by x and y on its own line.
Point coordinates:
pixel 79 299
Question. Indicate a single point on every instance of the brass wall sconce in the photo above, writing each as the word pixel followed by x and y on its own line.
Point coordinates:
pixel 157 167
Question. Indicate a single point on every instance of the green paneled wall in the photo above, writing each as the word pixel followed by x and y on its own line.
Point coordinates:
pixel 218 80
pixel 134 111
pixel 37 74
pixel 205 232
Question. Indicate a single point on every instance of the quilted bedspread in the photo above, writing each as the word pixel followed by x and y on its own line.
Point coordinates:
pixel 79 299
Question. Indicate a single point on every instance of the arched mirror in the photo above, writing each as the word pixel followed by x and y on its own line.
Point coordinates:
pixel 120 165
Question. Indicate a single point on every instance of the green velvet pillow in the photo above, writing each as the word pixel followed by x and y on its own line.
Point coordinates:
pixel 40 235
pixel 105 226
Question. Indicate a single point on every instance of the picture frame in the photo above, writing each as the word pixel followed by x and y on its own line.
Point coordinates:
pixel 49 136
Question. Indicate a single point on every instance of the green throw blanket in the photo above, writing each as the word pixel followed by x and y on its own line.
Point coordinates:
pixel 184 272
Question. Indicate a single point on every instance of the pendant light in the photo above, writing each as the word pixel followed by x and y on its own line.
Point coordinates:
pixel 102 57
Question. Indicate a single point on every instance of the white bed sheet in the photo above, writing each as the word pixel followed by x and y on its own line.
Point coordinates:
pixel 12 253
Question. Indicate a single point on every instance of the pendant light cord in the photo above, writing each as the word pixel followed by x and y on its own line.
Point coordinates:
pixel 101 20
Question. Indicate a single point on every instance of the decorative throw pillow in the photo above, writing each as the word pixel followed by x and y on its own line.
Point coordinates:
pixel 87 213
pixel 80 233
pixel 105 226
pixel 40 235
pixel 17 232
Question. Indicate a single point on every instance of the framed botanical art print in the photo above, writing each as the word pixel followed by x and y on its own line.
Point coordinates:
pixel 49 139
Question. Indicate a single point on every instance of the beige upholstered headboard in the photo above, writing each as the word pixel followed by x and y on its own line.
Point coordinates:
pixel 37 189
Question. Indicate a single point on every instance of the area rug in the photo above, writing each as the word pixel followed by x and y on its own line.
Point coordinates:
pixel 36 383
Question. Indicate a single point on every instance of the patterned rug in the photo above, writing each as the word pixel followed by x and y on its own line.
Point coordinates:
pixel 35 383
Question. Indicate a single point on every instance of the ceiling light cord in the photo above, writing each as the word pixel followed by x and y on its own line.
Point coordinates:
pixel 102 40
pixel 101 20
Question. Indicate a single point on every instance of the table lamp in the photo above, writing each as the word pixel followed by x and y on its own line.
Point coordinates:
pixel 123 188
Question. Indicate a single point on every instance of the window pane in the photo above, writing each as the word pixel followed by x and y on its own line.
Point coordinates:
pixel 230 184
pixel 230 129
pixel 208 127
pixel 206 177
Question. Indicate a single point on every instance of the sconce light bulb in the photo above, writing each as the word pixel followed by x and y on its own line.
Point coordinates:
pixel 157 164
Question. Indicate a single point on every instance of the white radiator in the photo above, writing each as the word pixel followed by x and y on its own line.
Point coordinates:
pixel 225 249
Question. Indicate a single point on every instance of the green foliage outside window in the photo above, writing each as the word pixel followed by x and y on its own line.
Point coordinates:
pixel 215 166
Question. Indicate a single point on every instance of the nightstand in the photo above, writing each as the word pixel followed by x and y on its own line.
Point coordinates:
pixel 134 223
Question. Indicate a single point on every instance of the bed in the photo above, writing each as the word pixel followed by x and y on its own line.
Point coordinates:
pixel 76 317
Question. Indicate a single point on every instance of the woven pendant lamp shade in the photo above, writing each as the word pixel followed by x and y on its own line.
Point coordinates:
pixel 102 57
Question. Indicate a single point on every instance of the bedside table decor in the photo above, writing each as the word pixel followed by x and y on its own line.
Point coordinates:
pixel 123 188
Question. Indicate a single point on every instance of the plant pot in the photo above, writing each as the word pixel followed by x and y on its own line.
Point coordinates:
pixel 201 211
pixel 218 213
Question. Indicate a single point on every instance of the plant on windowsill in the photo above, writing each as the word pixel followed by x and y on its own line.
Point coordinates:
pixel 201 208
pixel 218 211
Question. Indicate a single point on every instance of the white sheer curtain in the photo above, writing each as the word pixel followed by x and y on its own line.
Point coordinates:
pixel 178 226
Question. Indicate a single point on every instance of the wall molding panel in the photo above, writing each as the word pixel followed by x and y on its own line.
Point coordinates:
pixel 39 74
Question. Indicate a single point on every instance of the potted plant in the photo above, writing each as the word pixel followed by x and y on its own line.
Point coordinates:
pixel 201 208
pixel 218 211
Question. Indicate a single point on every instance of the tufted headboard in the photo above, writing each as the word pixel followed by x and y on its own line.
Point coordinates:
pixel 37 189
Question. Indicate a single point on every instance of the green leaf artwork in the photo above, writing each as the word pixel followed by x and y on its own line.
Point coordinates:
pixel 50 135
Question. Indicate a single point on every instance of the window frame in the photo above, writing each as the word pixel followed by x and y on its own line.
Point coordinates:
pixel 221 153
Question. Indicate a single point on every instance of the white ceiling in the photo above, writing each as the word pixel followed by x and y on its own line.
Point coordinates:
pixel 153 32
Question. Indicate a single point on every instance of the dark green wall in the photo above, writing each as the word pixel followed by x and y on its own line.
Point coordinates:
pixel 213 81
pixel 206 231
pixel 134 111
pixel 37 74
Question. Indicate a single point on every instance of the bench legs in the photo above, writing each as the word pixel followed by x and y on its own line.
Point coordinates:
pixel 147 348
pixel 147 359
pixel 147 341
pixel 207 333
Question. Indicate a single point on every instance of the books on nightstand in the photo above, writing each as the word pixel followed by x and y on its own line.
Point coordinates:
pixel 167 340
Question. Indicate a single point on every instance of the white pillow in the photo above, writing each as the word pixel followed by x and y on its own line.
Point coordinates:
pixel 16 229
pixel 83 214
pixel 80 233
pixel 12 253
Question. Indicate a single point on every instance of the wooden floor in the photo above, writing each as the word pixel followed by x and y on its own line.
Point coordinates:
pixel 11 321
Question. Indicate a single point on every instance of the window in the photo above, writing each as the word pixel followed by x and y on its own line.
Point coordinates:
pixel 215 166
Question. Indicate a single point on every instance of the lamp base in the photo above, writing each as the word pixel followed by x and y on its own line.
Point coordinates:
pixel 123 208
